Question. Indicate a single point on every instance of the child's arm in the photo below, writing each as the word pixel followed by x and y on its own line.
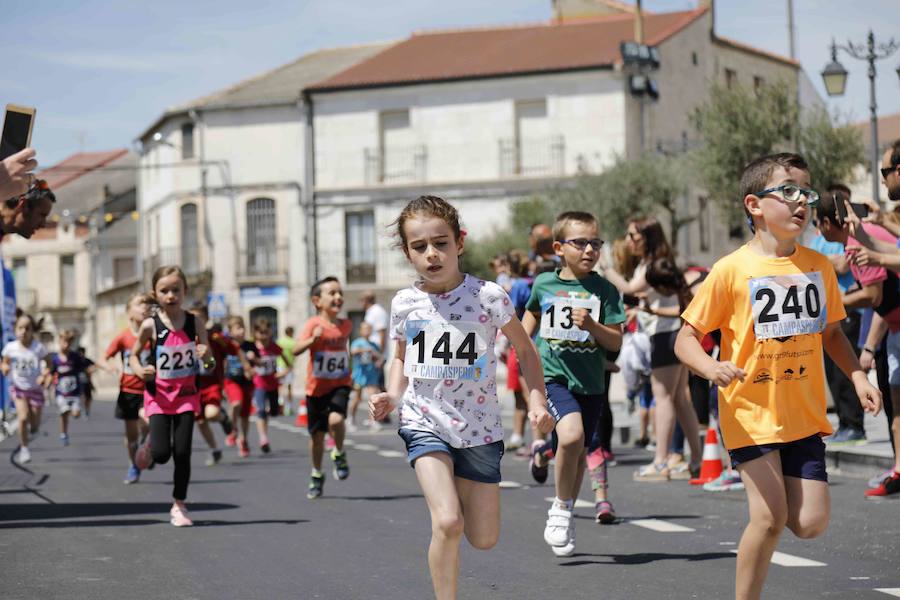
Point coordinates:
pixel 45 379
pixel 382 403
pixel 303 345
pixel 608 336
pixel 841 352
pixel 877 330
pixel 865 257
pixel 145 335
pixel 5 366
pixel 204 351
pixel 530 367
pixel 635 286
pixel 868 296
pixel 529 323
pixel 694 357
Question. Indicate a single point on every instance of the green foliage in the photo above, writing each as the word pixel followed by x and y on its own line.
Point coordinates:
pixel 832 148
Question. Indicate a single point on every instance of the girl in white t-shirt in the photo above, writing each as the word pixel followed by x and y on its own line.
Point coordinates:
pixel 443 377
pixel 24 361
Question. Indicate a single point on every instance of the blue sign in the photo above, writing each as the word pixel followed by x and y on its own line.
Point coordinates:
pixel 218 309
pixel 7 325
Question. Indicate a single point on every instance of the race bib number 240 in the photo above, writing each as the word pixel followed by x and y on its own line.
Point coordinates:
pixel 788 305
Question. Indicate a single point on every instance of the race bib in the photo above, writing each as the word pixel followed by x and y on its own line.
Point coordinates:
pixel 233 367
pixel 331 364
pixel 557 323
pixel 126 356
pixel 67 385
pixel 266 366
pixel 788 305
pixel 175 362
pixel 26 367
pixel 442 350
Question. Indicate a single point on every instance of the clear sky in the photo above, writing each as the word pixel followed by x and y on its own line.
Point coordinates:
pixel 100 71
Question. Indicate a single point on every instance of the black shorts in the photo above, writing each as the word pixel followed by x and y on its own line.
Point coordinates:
pixel 662 350
pixel 319 407
pixel 128 405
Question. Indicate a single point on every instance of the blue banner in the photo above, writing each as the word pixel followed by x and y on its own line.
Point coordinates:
pixel 7 328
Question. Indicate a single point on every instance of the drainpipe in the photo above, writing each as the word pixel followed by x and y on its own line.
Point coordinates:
pixel 312 229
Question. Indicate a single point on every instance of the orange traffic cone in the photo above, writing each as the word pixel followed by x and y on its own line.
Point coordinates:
pixel 712 461
pixel 301 420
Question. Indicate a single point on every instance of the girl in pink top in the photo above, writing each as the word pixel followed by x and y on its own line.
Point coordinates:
pixel 171 397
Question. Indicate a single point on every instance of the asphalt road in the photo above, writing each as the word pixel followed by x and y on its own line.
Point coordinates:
pixel 71 529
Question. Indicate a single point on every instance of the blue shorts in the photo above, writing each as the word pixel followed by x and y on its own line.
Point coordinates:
pixel 266 402
pixel 478 463
pixel 561 402
pixel 804 458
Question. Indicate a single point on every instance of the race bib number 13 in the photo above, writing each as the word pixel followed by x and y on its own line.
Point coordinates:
pixel 788 305
pixel 442 350
pixel 557 323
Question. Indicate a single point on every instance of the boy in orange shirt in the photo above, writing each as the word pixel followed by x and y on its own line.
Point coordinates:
pixel 777 305
pixel 327 337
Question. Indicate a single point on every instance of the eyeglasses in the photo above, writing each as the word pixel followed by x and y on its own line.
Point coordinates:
pixel 582 243
pixel 792 193
pixel 885 171
pixel 634 235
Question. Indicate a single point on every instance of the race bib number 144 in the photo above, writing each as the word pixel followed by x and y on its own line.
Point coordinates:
pixel 442 350
pixel 788 305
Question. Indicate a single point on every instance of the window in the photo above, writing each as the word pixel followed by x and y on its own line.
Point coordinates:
pixel 360 233
pixel 399 157
pixel 703 220
pixel 190 243
pixel 534 150
pixel 730 78
pixel 67 279
pixel 695 60
pixel 261 237
pixel 187 141
pixel 123 268
pixel 758 83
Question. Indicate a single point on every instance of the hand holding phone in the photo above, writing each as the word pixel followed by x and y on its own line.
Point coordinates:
pixel 17 125
pixel 16 174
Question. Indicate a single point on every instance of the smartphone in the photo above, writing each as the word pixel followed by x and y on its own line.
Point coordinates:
pixel 17 125
pixel 630 300
pixel 861 210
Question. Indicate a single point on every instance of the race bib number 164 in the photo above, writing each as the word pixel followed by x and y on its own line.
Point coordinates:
pixel 788 305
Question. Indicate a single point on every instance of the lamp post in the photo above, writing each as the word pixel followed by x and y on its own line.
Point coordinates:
pixel 835 78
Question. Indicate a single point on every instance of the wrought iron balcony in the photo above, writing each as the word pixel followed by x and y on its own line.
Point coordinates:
pixel 539 157
pixel 395 165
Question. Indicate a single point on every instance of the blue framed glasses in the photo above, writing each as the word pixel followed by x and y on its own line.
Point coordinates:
pixel 582 243
pixel 792 193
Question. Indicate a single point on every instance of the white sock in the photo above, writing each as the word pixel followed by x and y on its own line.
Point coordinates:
pixel 567 504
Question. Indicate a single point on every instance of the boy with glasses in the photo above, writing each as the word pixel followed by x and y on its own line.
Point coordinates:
pixel 778 306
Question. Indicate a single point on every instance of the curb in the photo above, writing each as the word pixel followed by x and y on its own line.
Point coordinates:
pixel 856 463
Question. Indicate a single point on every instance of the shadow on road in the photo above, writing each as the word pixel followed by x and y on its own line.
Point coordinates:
pixel 194 482
pixel 642 558
pixel 76 510
pixel 377 498
pixel 205 523
pixel 83 524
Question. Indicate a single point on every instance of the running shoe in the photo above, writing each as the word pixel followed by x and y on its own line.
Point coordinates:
pixel 244 449
pixel 888 487
pixel 64 439
pixel 641 442
pixel 179 517
pixel 134 474
pixel 568 549
pixel 847 436
pixel 227 425
pixel 231 439
pixel 265 447
pixel 214 458
pixel 605 512
pixel 682 471
pixel 24 455
pixel 652 472
pixel 143 457
pixel 316 483
pixel 609 457
pixel 728 481
pixel 341 468
pixel 876 481
pixel 515 442
pixel 538 472
pixel 559 520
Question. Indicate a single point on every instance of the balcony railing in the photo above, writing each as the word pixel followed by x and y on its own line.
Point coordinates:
pixel 380 268
pixel 395 165
pixel 191 260
pixel 266 262
pixel 532 157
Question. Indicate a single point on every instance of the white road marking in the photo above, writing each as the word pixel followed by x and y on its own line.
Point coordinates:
pixel 789 560
pixel 389 453
pixel 578 503
pixel 895 592
pixel 660 525
pixel 366 447
pixel 860 578
pixel 727 543
pixel 510 485
pixel 349 443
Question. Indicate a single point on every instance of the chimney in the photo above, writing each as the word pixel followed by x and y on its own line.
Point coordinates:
pixel 639 24
pixel 711 5
pixel 574 10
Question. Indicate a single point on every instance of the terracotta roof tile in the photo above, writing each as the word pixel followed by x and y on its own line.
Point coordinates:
pixel 77 165
pixel 888 130
pixel 477 53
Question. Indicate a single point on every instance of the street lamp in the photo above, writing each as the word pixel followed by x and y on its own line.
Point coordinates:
pixel 835 78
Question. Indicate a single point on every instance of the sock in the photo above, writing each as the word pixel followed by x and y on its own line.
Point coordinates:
pixel 567 504
pixel 316 472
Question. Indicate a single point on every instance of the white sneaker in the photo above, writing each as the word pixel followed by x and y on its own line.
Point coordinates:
pixel 559 520
pixel 24 455
pixel 516 441
pixel 569 548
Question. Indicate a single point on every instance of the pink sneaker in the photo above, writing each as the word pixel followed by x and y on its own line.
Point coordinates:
pixel 143 457
pixel 179 517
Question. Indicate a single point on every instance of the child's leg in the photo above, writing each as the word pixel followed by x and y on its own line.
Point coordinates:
pixel 808 505
pixel 317 449
pixel 182 436
pixel 687 416
pixel 569 455
pixel 481 512
pixel 161 438
pixel 23 415
pixel 262 426
pixel 337 430
pixel 435 474
pixel 64 423
pixel 520 415
pixel 208 435
pixel 663 381
pixel 355 399
pixel 131 437
pixel 767 500
pixel 35 417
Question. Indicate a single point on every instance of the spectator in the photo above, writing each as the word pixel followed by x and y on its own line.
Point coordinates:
pixel 27 213
pixel 16 173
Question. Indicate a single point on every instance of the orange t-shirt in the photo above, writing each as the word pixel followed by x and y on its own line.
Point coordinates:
pixel 771 312
pixel 329 356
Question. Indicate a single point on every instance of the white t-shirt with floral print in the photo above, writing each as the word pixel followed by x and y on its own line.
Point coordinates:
pixel 450 360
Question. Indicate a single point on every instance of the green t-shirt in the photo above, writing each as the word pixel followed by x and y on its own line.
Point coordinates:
pixel 569 355
pixel 287 347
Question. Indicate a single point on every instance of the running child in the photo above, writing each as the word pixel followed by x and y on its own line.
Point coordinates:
pixel 239 384
pixel 286 368
pixel 130 402
pixel 443 376
pixel 265 380
pixel 84 378
pixel 778 306
pixel 65 368
pixel 25 357
pixel 171 398
pixel 579 316
pixel 367 363
pixel 210 383
pixel 326 336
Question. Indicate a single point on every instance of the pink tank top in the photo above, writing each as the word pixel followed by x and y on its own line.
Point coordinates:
pixel 174 389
